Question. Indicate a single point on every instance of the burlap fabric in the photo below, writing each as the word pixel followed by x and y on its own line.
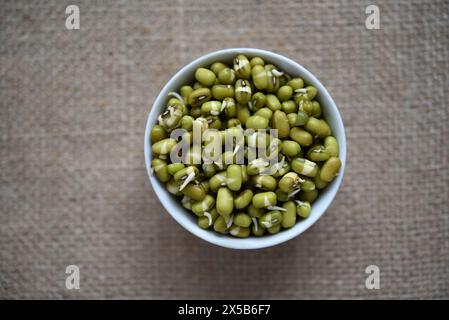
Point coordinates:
pixel 73 186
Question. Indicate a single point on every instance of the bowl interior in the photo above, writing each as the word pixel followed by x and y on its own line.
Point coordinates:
pixel 330 113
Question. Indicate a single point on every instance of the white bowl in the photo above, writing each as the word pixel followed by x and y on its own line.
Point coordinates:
pixel 188 219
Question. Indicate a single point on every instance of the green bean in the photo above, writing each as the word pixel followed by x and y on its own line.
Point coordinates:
pixel 257 61
pixel 319 127
pixel 230 109
pixel 194 191
pixel 216 67
pixel 186 202
pixel 296 83
pixel 243 114
pixel 256 122
pixel 281 195
pixel 176 101
pixel 307 93
pixel 242 91
pixel 243 199
pixel 320 184
pixel 305 106
pixel 227 76
pixel 264 182
pixel 221 91
pixel 283 79
pixel 175 167
pixel 280 122
pixel 207 219
pixel 273 80
pixel 307 185
pixel 160 169
pixel 330 169
pixel 331 145
pixel 189 172
pixel 205 185
pixel 242 66
pixel 291 119
pixel 173 187
pixel 289 106
pixel 264 112
pixel 214 122
pixel 234 177
pixel 284 93
pixel 171 116
pixel 157 133
pixel 255 212
pixel 205 77
pixel 273 102
pixel 289 215
pixel 163 146
pixel 257 229
pixel 281 168
pixel 271 218
pixel 304 167
pixel 225 201
pixel 264 199
pixel 301 118
pixel 257 166
pixel 303 209
pixel 199 96
pixel 274 229
pixel 301 136
pixel 187 122
pixel 239 232
pixel 220 225
pixel 209 170
pixel 197 86
pixel 195 112
pixel 260 77
pixel 316 109
pixel 258 100
pixel 185 92
pixel 308 196
pixel 242 220
pixel 233 122
pixel 290 148
pixel 289 182
pixel 199 207
pixel 318 153
pixel 211 108
pixel 311 92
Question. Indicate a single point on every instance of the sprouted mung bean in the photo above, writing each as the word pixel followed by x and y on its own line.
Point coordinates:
pixel 253 106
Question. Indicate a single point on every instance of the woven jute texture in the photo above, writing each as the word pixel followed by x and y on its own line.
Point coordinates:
pixel 73 185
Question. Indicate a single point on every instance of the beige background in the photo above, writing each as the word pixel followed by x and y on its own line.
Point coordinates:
pixel 74 190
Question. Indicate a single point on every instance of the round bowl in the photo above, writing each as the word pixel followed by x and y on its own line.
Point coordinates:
pixel 188 219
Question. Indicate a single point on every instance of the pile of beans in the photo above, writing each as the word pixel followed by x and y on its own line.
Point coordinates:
pixel 255 196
